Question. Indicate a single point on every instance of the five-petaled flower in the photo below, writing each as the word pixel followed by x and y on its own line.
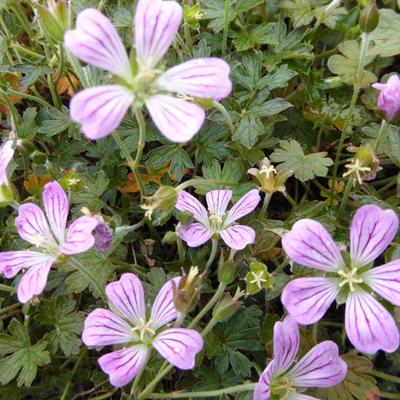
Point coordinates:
pixel 129 326
pixel 389 97
pixel 48 234
pixel 101 109
pixel 348 277
pixel 218 221
pixel 6 155
pixel 284 379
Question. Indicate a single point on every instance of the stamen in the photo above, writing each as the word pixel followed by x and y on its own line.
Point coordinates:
pixel 349 278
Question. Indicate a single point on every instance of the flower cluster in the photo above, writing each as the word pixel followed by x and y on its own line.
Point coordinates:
pixel 101 109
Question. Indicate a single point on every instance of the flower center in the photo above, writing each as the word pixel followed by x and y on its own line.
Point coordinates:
pixel 268 170
pixel 281 388
pixel 47 245
pixel 216 222
pixel 146 333
pixel 350 278
pixel 258 279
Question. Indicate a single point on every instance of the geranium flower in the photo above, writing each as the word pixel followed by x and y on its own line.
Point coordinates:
pixel 217 221
pixel 6 155
pixel 128 326
pixel 321 367
pixel 101 109
pixel 348 277
pixel 389 97
pixel 48 233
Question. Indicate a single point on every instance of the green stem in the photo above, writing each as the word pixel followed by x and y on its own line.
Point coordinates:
pixel 346 193
pixel 137 379
pixel 101 4
pixel 266 201
pixel 248 387
pixel 214 249
pixel 381 135
pixel 388 395
pixel 67 387
pixel 208 306
pixel 89 276
pixel 385 377
pixel 130 161
pixel 141 144
pixel 225 114
pixel 13 307
pixel 149 388
pixel 209 327
pixel 6 288
pixel 347 122
pixel 54 95
pixel 226 26
pixel 23 20
pixel 29 97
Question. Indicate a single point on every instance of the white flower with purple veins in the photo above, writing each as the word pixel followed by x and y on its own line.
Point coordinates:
pixel 284 379
pixel 48 233
pixel 101 109
pixel 217 220
pixel 348 278
pixel 6 155
pixel 129 326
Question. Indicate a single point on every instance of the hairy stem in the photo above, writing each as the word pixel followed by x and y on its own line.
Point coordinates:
pixel 381 134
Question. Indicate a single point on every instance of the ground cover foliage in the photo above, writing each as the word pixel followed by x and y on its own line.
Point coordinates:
pixel 302 127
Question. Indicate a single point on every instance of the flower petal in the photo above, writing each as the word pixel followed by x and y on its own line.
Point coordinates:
pixel 194 234
pixel 286 343
pixel 369 326
pixel 79 236
pixel 187 202
pixel 179 346
pixel 372 230
pixel 262 391
pixel 123 365
pixel 218 200
pixel 163 310
pixel 299 396
pixel 32 225
pixel 320 367
pixel 238 236
pixel 385 280
pixel 127 297
pixel 56 205
pixel 156 25
pixel 202 77
pixel 100 109
pixel 96 41
pixel 33 281
pixel 11 262
pixel 310 244
pixel 308 299
pixel 177 119
pixel 245 205
pixel 6 155
pixel 103 328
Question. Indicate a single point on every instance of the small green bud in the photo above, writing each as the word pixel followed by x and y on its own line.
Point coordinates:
pixel 187 293
pixel 227 271
pixel 192 15
pixel 38 157
pixel 369 17
pixel 228 306
pixel 258 278
pixel 6 195
pixel 25 146
pixel 169 238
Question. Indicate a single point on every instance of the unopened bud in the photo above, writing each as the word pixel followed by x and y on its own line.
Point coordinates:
pixel 6 195
pixel 227 271
pixel 169 238
pixel 38 157
pixel 187 292
pixel 103 237
pixel 228 306
pixel 369 17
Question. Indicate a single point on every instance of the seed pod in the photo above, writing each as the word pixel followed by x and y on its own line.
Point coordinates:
pixel 369 17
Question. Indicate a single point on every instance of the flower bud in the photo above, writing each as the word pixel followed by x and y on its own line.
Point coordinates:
pixel 25 146
pixel 163 201
pixel 227 271
pixel 228 306
pixel 6 195
pixel 169 238
pixel 389 97
pixel 186 294
pixel 363 166
pixel 38 157
pixel 258 278
pixel 369 17
pixel 103 237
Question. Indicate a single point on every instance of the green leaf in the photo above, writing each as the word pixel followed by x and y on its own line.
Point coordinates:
pixel 56 122
pixel 278 78
pixel 248 131
pixel 345 65
pixel 66 323
pixel 262 34
pixel 28 128
pixel 270 108
pixel 300 12
pixel 23 358
pixel 173 154
pixel 305 167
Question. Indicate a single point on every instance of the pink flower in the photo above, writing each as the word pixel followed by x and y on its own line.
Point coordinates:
pixel 48 233
pixel 127 326
pixel 321 367
pixel 349 278
pixel 6 155
pixel 216 221
pixel 389 97
pixel 101 109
